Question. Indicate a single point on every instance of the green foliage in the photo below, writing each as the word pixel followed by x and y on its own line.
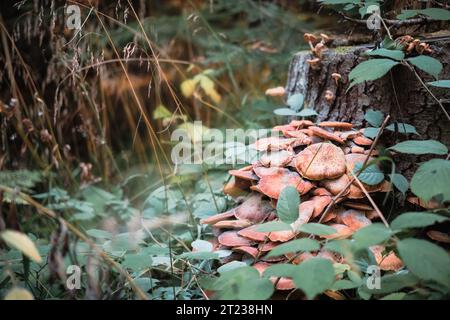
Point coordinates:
pixel 392 54
pixel 440 83
pixel 371 175
pixel 420 147
pixel 317 229
pixel 373 234
pixel 273 226
pixel 426 260
pixel 433 13
pixel 314 276
pixel 374 118
pixel 431 180
pixel 370 70
pixel 428 64
pixel 400 182
pixel 409 220
pixel 287 205
pixel 401 128
pixel 294 246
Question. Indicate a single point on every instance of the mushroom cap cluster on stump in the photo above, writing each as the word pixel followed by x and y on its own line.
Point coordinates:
pixel 316 159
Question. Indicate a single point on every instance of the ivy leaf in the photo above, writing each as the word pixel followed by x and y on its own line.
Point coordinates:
pixel 314 276
pixel 273 226
pixel 431 179
pixel 294 246
pixel 393 54
pixel 21 242
pixel 416 220
pixel 440 83
pixel 375 118
pixel 317 229
pixel 401 128
pixel 426 260
pixel 433 13
pixel 287 205
pixel 371 235
pixel 420 147
pixel 284 112
pixel 295 102
pixel 428 64
pixel 370 70
pixel 371 175
pixel 400 182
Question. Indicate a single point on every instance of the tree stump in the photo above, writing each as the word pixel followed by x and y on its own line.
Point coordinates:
pixel 398 93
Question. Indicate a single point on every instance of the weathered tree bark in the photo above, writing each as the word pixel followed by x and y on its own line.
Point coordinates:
pixel 398 93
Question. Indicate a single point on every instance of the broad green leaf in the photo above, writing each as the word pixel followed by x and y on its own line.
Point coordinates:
pixel 371 132
pixel 428 64
pixel 284 112
pixel 370 70
pixel 431 180
pixel 306 112
pixel 440 83
pixel 99 234
pixel 280 270
pixel 293 246
pixel 426 260
pixel 392 283
pixel 401 127
pixel 295 102
pixel 416 220
pixel 314 276
pixel 287 204
pixel 161 112
pixel 393 54
pixel 375 118
pixel 394 296
pixel 342 247
pixel 19 294
pixel 344 284
pixel 317 229
pixel 273 226
pixel 371 235
pixel 433 13
pixel 202 246
pixel 371 175
pixel 199 255
pixel 420 147
pixel 399 182
pixel 21 242
pixel 137 262
pixel 231 266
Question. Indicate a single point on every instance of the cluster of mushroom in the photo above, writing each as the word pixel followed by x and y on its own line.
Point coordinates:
pixel 317 48
pixel 318 160
pixel 410 44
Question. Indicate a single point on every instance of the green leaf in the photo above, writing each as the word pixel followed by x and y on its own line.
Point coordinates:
pixel 202 245
pixel 394 296
pixel 420 147
pixel 273 226
pixel 426 260
pixel 284 112
pixel 440 83
pixel 344 284
pixel 137 262
pixel 287 205
pixel 393 282
pixel 314 276
pixel 317 229
pixel 280 270
pixel 433 13
pixel 306 112
pixel 99 234
pixel 371 132
pixel 375 118
pixel 371 175
pixel 428 64
pixel 401 128
pixel 370 70
pixel 293 246
pixel 202 255
pixel 371 235
pixel 416 220
pixel 161 112
pixel 400 182
pixel 231 266
pixel 393 54
pixel 431 180
pixel 295 102
pixel 21 242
